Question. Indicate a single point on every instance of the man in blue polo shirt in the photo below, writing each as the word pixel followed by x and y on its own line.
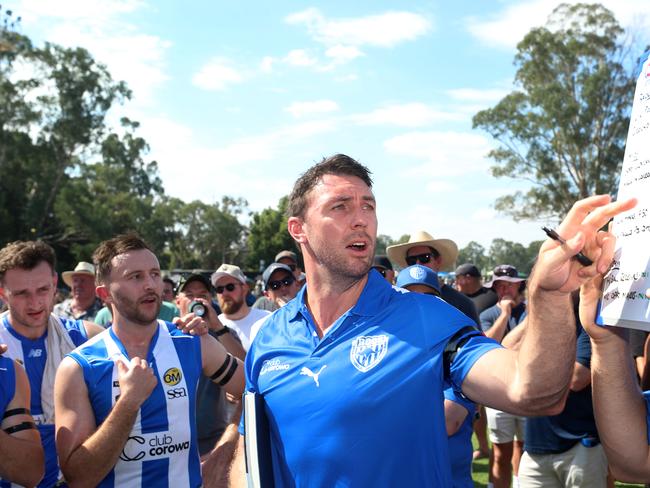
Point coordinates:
pixel 352 371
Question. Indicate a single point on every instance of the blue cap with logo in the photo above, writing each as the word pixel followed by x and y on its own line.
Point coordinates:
pixel 418 275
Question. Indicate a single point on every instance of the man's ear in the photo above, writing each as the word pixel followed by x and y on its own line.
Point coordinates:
pixel 102 292
pixel 295 226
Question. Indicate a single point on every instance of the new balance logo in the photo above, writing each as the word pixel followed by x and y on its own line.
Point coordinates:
pixel 35 353
pixel 314 376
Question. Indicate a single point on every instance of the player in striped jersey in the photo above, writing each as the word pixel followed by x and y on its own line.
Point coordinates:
pixel 21 453
pixel 35 338
pixel 125 401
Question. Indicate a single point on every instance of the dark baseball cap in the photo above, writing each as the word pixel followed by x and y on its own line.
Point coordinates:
pixel 193 277
pixel 382 261
pixel 468 269
pixel 272 268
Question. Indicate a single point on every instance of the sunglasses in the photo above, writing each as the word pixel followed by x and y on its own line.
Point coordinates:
pixel 228 287
pixel 277 284
pixel 382 271
pixel 421 258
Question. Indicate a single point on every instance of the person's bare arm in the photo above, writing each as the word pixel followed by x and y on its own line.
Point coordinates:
pixel 92 329
pixel 86 452
pixel 21 453
pixel 228 339
pixel 645 371
pixel 581 377
pixel 515 337
pixel 498 329
pixel 619 407
pixel 228 369
pixel 455 415
pixel 521 381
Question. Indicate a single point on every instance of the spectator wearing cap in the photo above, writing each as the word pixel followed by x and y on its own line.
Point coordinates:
pixel 497 321
pixel 437 255
pixel 231 286
pixel 469 282
pixel 213 412
pixel 383 265
pixel 289 258
pixel 459 411
pixel 83 303
pixel 280 286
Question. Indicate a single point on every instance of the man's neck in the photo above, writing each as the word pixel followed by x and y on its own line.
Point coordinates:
pixel 471 289
pixel 80 307
pixel 243 312
pixel 136 338
pixel 29 332
pixel 328 299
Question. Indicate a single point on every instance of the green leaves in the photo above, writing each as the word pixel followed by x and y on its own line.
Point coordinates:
pixel 563 129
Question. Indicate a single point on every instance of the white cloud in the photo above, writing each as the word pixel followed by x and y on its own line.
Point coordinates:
pixel 443 153
pixel 216 75
pixel 343 54
pixel 406 115
pixel 266 66
pixel 301 109
pixel 383 30
pixel 507 27
pixel 100 27
pixel 300 57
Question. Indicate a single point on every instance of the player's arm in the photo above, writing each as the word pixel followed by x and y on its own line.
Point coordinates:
pixel 218 463
pixel 221 367
pixel 21 453
pixel 455 415
pixel 619 407
pixel 92 329
pixel 86 452
pixel 521 381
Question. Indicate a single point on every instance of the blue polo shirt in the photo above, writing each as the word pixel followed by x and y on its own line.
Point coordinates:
pixel 363 406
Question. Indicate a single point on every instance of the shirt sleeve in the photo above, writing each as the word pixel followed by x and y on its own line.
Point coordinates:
pixel 486 319
pixel 467 355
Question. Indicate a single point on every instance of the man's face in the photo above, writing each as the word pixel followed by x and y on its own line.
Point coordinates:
pixel 466 283
pixel 425 257
pixel 232 296
pixel 389 274
pixel 194 290
pixel 282 287
pixel 29 295
pixel 168 291
pixel 83 288
pixel 505 289
pixel 135 286
pixel 340 225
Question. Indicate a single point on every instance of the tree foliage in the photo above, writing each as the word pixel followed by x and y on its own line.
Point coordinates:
pixel 563 129
pixel 268 235
pixel 501 251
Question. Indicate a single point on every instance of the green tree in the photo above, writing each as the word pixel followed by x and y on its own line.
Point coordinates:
pixel 513 253
pixel 563 128
pixel 474 253
pixel 268 235
pixel 207 235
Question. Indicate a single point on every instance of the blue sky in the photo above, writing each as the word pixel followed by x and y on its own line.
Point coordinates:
pixel 239 98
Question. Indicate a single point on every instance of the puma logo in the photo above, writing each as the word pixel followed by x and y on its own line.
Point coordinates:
pixel 308 372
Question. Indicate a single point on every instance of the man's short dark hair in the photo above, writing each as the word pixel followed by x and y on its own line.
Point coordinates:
pixel 25 255
pixel 339 164
pixel 107 250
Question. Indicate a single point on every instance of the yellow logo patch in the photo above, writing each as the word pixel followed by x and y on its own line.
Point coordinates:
pixel 172 376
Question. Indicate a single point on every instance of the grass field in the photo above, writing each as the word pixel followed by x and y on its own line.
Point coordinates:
pixel 480 473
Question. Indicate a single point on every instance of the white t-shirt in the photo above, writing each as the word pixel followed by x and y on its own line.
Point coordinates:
pixel 242 327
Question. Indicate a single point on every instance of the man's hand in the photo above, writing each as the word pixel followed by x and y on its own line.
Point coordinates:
pixel 137 381
pixel 506 304
pixel 555 269
pixel 3 348
pixel 192 324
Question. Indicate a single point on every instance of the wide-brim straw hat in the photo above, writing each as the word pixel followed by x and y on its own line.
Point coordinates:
pixel 83 268
pixel 447 249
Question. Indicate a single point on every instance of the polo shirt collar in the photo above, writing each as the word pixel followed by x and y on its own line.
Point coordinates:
pixel 373 297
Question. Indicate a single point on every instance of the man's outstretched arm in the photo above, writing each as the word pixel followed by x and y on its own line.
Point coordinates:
pixel 535 380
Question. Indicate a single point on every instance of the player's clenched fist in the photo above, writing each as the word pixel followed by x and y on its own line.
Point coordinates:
pixel 137 381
